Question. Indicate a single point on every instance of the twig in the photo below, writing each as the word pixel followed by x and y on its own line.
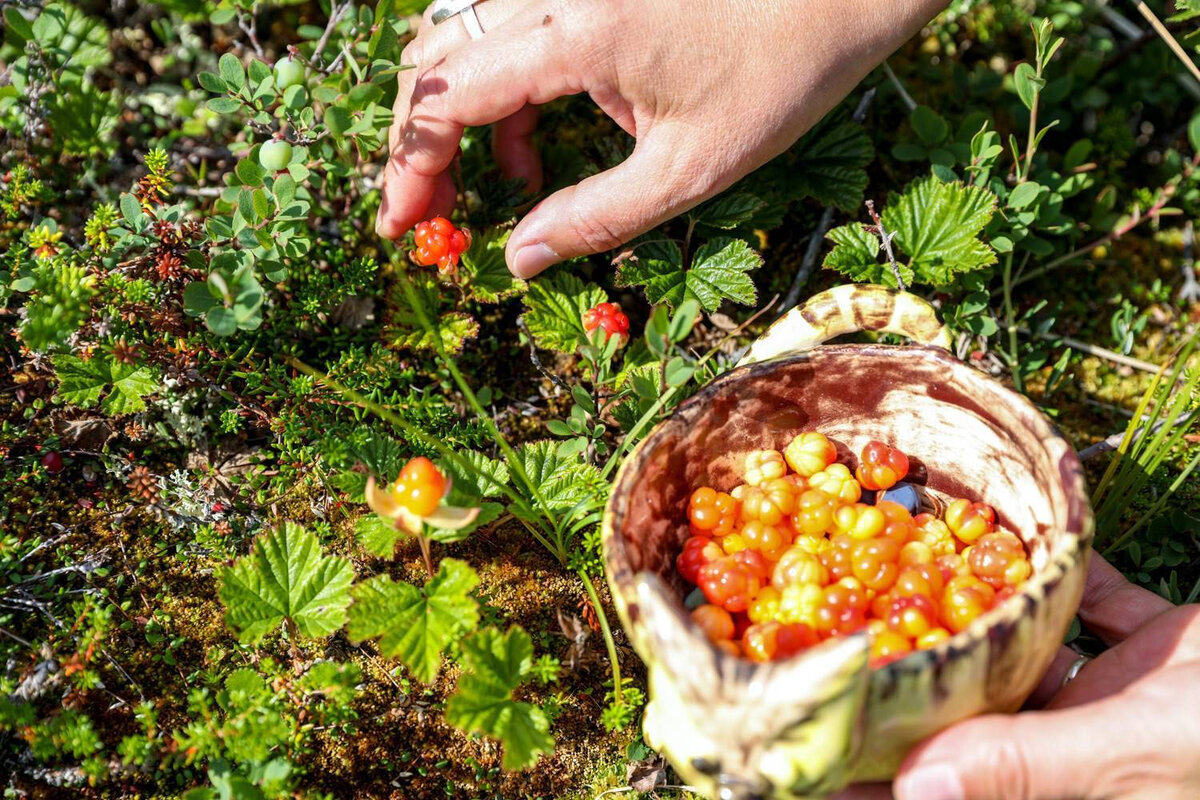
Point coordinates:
pixel 627 789
pixel 905 97
pixel 817 237
pixel 335 16
pixel 250 28
pixel 885 239
pixel 1170 40
pixel 1190 291
pixel 1094 350
pixel 537 362
pixel 1111 443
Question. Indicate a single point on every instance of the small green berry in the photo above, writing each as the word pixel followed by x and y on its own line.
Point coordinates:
pixel 288 72
pixel 275 155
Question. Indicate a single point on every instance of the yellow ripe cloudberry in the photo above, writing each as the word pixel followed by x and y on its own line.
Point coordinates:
pixel 836 481
pixel 860 521
pixel 797 566
pixel 809 453
pixel 969 521
pixel 762 466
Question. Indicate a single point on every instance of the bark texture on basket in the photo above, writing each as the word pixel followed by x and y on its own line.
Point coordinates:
pixel 807 726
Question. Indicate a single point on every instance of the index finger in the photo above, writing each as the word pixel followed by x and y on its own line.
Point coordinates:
pixel 525 60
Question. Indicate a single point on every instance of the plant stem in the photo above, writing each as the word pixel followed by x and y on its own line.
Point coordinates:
pixel 609 642
pixel 425 554
pixel 1010 322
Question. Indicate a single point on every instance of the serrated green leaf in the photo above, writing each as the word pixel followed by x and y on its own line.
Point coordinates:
pixel 125 386
pixel 403 327
pixel 378 535
pixel 830 162
pixel 415 625
pixel 563 482
pixel 937 225
pixel 856 255
pixel 718 273
pixel 286 577
pixel 486 477
pixel 486 272
pixel 555 305
pixel 496 664
pixel 728 210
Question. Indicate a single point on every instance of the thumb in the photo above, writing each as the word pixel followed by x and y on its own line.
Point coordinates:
pixel 660 179
pixel 1041 755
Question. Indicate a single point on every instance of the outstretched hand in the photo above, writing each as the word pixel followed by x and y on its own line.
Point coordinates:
pixel 1127 727
pixel 711 89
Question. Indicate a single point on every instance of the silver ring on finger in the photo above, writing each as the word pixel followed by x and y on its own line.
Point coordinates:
pixel 445 9
pixel 1073 670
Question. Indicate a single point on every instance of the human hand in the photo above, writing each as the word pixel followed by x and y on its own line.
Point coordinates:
pixel 711 89
pixel 1127 727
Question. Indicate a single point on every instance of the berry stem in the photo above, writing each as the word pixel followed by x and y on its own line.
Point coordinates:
pixel 609 643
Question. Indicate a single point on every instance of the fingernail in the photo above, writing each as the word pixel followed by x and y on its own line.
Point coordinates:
pixel 532 259
pixel 935 782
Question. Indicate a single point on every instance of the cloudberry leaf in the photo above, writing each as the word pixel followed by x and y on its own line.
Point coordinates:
pixel 936 227
pixel 555 305
pixel 286 577
pixel 728 210
pixel 830 162
pixel 485 270
pixel 495 665
pixel 403 328
pixel 415 625
pixel 564 483
pixel 717 273
pixel 123 385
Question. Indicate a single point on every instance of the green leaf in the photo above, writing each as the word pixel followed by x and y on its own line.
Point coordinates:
pixel 1194 133
pixel 555 305
pixel 485 478
pixel 496 664
pixel 16 22
pixel 83 382
pixel 830 163
pixel 718 273
pixel 286 577
pixel 415 625
pixel 1024 194
pixel 249 172
pixel 213 82
pixel 131 211
pixel 937 225
pixel 728 210
pixel 403 328
pixel 484 267
pixel 232 72
pixel 856 255
pixel 378 536
pixel 223 105
pixel 562 482
pixel 338 120
pixel 1027 83
pixel 929 125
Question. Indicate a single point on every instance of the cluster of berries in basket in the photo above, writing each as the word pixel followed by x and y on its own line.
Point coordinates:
pixel 795 555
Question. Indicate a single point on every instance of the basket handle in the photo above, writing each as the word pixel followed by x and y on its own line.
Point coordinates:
pixel 847 309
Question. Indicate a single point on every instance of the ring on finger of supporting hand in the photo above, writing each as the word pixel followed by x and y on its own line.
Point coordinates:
pixel 445 9
pixel 1073 670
